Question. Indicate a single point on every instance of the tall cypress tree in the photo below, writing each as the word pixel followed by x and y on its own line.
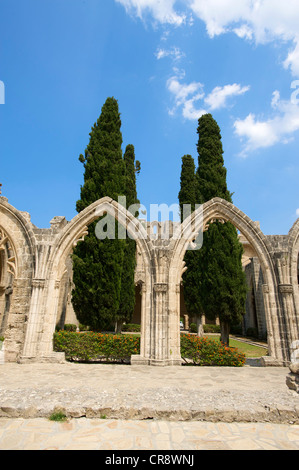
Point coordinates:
pixel 127 296
pixel 214 283
pixel 187 196
pixel 97 264
pixel 221 280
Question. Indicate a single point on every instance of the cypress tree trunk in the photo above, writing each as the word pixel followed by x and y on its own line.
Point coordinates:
pixel 97 264
pixel 225 330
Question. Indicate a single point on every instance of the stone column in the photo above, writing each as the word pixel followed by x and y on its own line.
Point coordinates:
pixel 290 333
pixel 272 329
pixel 159 341
pixel 16 324
pixel 34 327
pixel 46 353
pixel 145 333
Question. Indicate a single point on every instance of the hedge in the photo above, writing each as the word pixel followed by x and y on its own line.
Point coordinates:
pixel 134 327
pixel 207 328
pixel 90 346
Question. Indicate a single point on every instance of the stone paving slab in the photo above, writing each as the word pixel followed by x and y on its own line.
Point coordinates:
pixel 124 392
pixel 121 435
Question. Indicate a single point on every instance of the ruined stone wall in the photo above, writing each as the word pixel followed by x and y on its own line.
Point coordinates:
pixel 34 264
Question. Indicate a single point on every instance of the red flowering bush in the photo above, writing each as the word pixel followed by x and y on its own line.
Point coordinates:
pixel 207 352
pixel 90 346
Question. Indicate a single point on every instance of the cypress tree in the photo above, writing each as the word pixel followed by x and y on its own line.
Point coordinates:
pixel 220 278
pixel 214 283
pixel 127 296
pixel 187 194
pixel 97 264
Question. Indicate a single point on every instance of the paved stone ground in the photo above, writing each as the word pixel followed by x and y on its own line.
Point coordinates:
pixel 212 394
pixel 147 407
pixel 151 435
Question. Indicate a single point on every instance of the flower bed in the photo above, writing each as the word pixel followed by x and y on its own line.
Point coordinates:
pixel 90 347
pixel 207 352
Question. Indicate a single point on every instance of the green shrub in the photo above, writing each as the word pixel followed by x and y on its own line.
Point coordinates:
pixel 211 328
pixel 206 352
pixel 83 327
pixel 70 327
pixel 91 346
pixel 193 328
pixel 134 327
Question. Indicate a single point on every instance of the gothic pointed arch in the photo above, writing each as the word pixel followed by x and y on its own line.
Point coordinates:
pixel 219 209
pixel 75 231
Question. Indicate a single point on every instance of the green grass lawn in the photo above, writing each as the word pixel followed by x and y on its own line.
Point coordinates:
pixel 248 349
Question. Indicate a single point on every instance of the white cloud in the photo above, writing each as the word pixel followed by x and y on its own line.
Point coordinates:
pixel 259 20
pixel 186 96
pixel 266 133
pixel 162 11
pixel 174 52
pixel 297 212
pixel 218 97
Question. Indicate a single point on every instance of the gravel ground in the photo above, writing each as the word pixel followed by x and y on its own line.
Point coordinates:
pixel 214 394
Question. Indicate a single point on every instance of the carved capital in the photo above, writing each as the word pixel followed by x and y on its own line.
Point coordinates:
pixel 266 289
pixel 285 288
pixel 40 283
pixel 160 287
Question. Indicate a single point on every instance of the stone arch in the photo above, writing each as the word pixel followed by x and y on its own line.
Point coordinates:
pixel 220 209
pixel 18 247
pixel 73 232
pixel 294 265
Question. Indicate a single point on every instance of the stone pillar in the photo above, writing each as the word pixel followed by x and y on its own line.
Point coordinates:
pixel 292 379
pixel 46 353
pixel 16 324
pixel 287 299
pixel 159 341
pixel 38 345
pixel 34 327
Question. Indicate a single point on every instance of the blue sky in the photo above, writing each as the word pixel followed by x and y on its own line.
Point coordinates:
pixel 166 63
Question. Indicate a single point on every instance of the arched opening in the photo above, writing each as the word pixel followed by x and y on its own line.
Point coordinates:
pixel 266 309
pixel 73 232
pixel 136 317
pixel 254 320
pixel 65 311
pixel 6 279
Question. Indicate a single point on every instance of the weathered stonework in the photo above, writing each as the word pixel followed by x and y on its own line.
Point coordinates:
pixel 292 380
pixel 36 280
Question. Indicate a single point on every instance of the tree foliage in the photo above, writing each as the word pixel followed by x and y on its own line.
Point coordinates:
pixel 97 264
pixel 127 297
pixel 214 282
